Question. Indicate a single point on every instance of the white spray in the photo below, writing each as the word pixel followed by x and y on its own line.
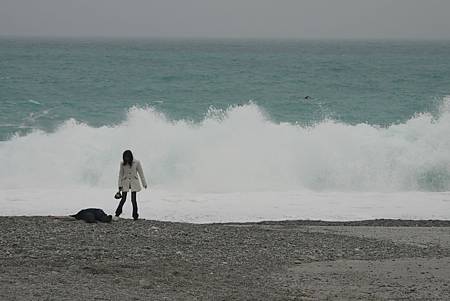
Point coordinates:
pixel 239 149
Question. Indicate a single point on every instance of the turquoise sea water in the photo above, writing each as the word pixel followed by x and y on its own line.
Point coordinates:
pixel 45 82
pixel 227 115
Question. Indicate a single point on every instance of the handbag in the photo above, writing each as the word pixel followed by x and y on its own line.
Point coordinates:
pixel 118 195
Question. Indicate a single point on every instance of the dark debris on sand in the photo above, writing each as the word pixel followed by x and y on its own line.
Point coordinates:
pixel 44 258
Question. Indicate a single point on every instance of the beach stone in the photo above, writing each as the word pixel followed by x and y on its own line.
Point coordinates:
pixel 145 283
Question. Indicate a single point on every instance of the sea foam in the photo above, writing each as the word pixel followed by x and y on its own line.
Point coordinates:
pixel 236 150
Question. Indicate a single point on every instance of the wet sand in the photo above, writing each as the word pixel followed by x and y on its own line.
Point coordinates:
pixel 44 258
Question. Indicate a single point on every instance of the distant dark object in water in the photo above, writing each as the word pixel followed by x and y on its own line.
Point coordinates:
pixel 92 215
pixel 308 97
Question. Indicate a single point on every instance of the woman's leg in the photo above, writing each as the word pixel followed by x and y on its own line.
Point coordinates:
pixel 135 207
pixel 122 201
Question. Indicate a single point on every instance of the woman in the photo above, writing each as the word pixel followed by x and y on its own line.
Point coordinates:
pixel 128 181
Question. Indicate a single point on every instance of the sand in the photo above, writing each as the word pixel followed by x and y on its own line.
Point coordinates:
pixel 45 258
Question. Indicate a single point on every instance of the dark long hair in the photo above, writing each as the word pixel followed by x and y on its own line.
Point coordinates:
pixel 127 157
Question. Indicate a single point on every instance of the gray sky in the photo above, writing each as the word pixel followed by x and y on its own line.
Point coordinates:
pixel 411 19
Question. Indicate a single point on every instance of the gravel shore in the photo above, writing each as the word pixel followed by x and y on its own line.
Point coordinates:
pixel 46 258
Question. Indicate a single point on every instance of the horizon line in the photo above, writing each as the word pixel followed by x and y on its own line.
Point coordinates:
pixel 193 38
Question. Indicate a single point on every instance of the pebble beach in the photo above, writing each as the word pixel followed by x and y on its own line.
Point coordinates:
pixel 48 258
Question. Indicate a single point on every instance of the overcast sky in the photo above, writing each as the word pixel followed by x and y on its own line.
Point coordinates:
pixel 410 19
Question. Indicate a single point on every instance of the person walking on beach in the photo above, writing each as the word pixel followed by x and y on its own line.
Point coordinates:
pixel 128 181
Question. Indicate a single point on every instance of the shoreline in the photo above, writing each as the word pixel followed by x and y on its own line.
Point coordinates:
pixel 377 222
pixel 380 222
pixel 228 207
pixel 50 258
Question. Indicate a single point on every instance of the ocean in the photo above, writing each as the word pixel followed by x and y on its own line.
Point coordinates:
pixel 228 130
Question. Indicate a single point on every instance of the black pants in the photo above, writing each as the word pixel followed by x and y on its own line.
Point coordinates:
pixel 133 201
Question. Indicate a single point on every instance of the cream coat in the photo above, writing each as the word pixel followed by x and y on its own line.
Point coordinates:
pixel 128 176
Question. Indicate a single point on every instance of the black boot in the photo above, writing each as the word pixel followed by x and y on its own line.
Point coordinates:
pixel 122 201
pixel 135 207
